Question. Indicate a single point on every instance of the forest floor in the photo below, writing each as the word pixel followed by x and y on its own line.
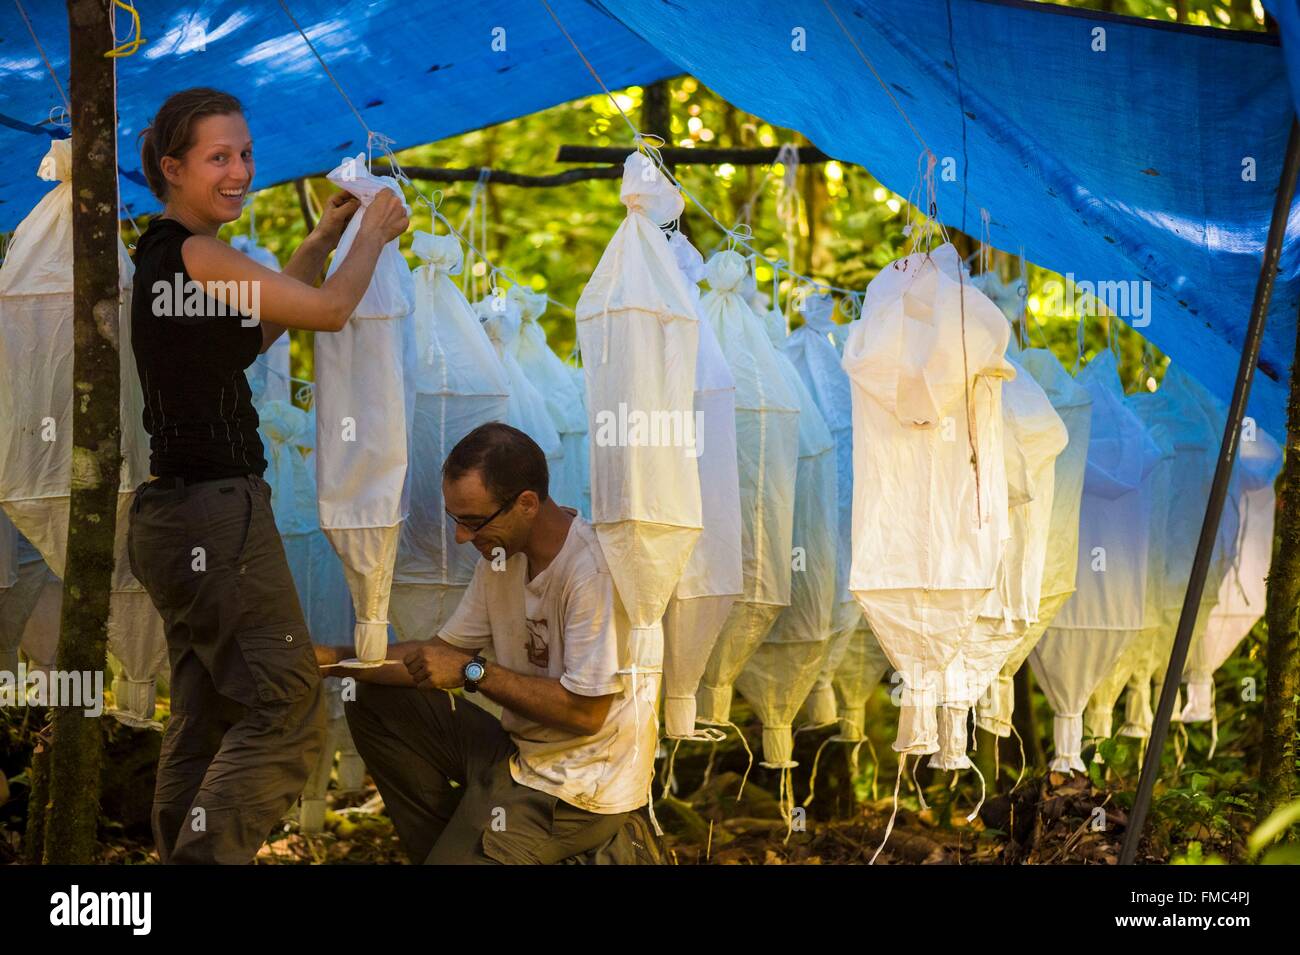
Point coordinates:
pixel 709 817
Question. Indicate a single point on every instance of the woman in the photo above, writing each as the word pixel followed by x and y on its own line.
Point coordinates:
pixel 247 715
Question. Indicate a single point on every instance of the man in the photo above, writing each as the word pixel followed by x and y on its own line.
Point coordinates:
pixel 567 768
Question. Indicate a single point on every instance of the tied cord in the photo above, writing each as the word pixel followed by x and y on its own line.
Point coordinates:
pixel 920 793
pixel 812 778
pixel 133 44
pixel 789 204
pixel 1022 290
pixel 985 250
pixel 974 813
pixel 743 742
pixel 1214 726
pixel 776 296
pixel 476 231
pixel 924 199
pixel 667 782
pixel 902 763
pixel 785 797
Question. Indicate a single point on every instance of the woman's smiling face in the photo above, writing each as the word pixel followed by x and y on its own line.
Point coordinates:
pixel 213 177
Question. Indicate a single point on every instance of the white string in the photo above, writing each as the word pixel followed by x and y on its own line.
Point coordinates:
pixel 790 202
pixel 902 763
pixel 44 59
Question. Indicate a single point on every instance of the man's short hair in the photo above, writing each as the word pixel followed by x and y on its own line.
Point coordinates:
pixel 507 460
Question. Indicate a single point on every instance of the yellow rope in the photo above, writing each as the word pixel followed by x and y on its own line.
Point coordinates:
pixel 130 46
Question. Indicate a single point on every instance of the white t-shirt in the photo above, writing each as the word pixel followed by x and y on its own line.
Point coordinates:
pixel 567 623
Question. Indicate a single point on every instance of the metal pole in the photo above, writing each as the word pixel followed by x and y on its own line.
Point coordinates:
pixel 1218 494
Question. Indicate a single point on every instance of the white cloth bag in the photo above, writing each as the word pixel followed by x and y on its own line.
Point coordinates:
pixel 639 336
pixel 712 579
pixel 928 525
pixel 268 377
pixel 1108 608
pixel 1034 436
pixel 364 408
pixel 1073 403
pixel 1188 426
pixel 571 481
pixel 1132 666
pixel 323 592
pixel 36 352
pixel 812 350
pixel 781 672
pixel 526 408
pixel 460 384
pixel 19 592
pixel 1243 593
pixel 767 451
pixel 41 634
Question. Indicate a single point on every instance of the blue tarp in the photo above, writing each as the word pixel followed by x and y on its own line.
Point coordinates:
pixel 1287 14
pixel 1113 165
pixel 416 70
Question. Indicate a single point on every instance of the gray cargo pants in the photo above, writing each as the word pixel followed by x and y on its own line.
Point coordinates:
pixel 247 713
pixel 415 744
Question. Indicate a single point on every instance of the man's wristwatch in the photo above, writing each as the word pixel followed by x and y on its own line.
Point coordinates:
pixel 474 671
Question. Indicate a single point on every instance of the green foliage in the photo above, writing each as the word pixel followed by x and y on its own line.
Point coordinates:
pixel 1275 827
pixel 1195 855
pixel 1234 14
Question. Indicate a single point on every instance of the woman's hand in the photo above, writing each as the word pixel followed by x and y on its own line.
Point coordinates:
pixel 385 218
pixel 338 212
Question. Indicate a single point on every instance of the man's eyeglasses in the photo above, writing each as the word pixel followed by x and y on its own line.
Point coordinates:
pixel 476 527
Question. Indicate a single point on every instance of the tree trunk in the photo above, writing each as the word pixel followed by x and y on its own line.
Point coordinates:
pixel 300 186
pixel 77 751
pixel 34 844
pixel 656 111
pixel 986 759
pixel 1025 721
pixel 1282 685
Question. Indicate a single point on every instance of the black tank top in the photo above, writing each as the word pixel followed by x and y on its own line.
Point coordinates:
pixel 198 408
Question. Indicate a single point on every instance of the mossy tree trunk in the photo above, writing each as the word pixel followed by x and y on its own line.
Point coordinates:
pixel 76 754
pixel 1025 719
pixel 1277 774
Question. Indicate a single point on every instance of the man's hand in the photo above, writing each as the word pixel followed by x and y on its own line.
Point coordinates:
pixel 328 656
pixel 435 665
pixel 338 211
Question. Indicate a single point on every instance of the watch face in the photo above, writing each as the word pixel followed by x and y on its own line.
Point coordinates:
pixel 474 671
